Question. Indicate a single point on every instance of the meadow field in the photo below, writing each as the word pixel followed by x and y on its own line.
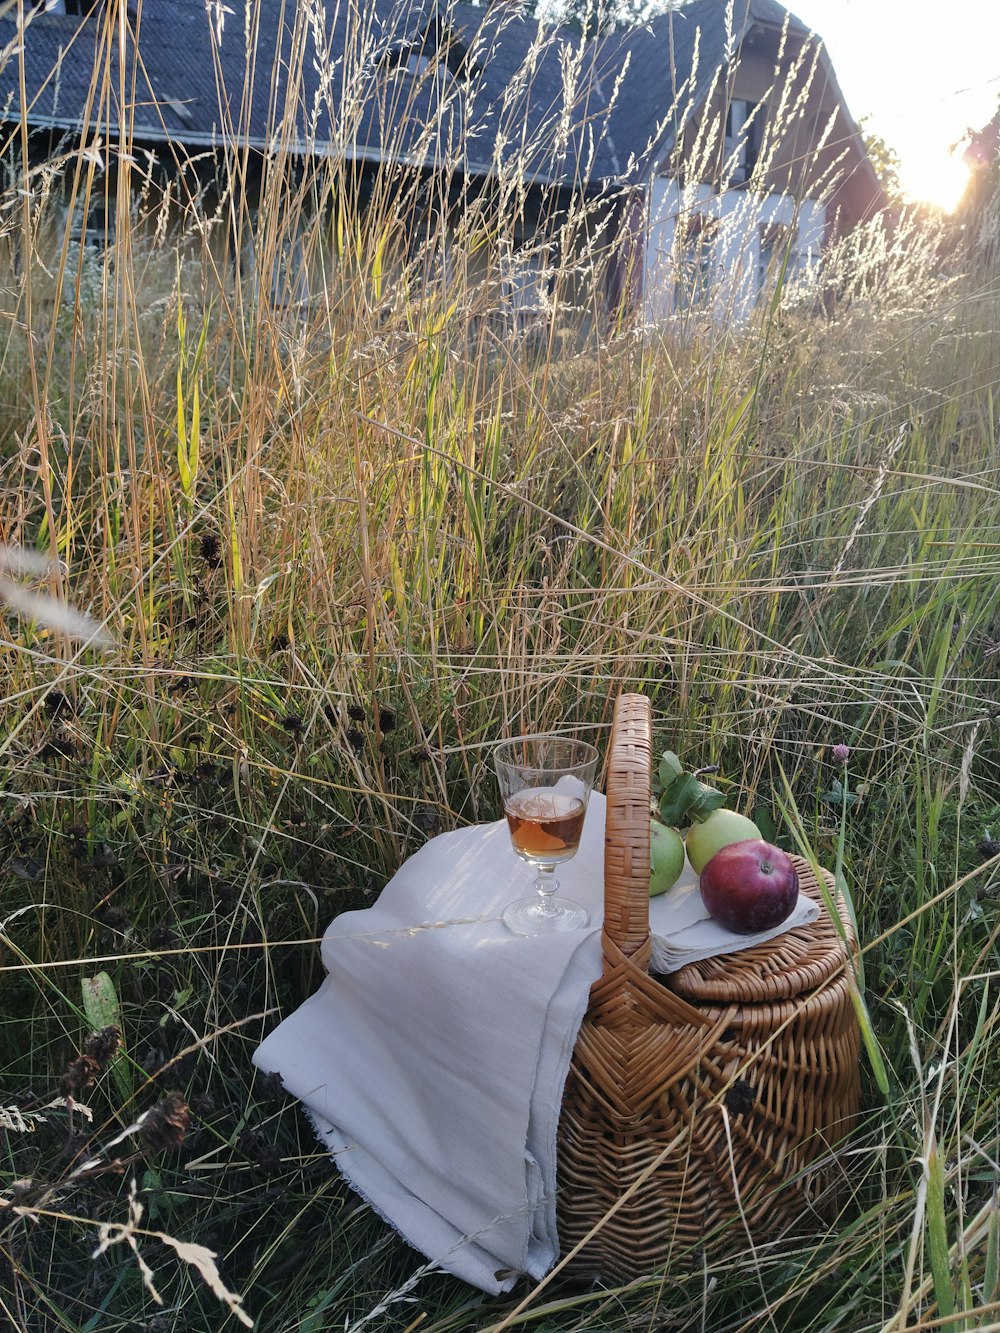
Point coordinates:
pixel 334 550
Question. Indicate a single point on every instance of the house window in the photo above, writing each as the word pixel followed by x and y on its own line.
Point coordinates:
pixel 697 238
pixel 96 229
pixel 777 251
pixel 742 141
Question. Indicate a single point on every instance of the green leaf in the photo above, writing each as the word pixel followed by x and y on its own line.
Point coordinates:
pixel 100 1004
pixel 707 800
pixel 764 820
pixel 874 1051
pixel 991 1270
pixel 194 450
pixel 685 799
pixel 183 460
pixel 837 794
pixel 670 768
pixel 855 976
pixel 677 797
pixel 937 1231
pixel 151 1184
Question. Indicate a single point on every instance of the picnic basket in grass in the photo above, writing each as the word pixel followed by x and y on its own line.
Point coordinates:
pixel 702 1110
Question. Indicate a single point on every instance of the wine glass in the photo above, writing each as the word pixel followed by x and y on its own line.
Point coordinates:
pixel 545 782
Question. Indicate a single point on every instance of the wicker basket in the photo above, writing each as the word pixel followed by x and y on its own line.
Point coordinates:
pixel 700 1109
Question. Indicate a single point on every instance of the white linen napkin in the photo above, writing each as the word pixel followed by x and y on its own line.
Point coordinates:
pixel 683 932
pixel 432 1060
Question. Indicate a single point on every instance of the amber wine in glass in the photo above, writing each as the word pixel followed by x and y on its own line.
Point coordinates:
pixel 545 782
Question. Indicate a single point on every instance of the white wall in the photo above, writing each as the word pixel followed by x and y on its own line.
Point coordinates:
pixel 733 254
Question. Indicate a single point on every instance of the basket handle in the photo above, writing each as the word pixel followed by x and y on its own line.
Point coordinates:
pixel 626 834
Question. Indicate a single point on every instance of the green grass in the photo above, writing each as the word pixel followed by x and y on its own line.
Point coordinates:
pixel 338 552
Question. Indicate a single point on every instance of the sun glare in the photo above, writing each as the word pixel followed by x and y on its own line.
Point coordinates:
pixel 939 179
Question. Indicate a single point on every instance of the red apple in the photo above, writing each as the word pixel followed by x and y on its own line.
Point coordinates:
pixel 750 886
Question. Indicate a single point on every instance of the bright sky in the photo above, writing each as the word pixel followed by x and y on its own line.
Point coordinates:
pixel 925 72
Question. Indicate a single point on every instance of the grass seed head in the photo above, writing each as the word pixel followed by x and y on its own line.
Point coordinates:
pixel 57 703
pixel 210 549
pixel 104 1045
pixel 80 1074
pixel 165 1125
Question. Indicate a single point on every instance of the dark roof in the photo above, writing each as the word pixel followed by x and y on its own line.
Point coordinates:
pixel 530 104
pixel 190 82
pixel 540 103
pixel 670 65
pixel 185 83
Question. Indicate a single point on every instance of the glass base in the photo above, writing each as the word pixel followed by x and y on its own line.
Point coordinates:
pixel 529 916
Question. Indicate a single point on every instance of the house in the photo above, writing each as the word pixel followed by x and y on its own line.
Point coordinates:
pixel 746 160
pixel 702 149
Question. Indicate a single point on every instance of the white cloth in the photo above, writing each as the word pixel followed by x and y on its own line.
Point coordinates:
pixel 432 1060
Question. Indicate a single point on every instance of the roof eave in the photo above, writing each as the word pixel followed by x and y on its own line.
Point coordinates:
pixel 147 135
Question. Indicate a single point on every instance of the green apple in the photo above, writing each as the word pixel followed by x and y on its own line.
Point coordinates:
pixel 717 831
pixel 666 857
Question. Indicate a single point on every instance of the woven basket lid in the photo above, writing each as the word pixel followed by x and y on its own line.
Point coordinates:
pixel 792 964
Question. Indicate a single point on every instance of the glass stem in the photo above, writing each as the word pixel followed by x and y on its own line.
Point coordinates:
pixel 545 886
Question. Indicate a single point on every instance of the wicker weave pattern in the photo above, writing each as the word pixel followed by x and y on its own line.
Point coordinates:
pixel 626 838
pixel 720 1094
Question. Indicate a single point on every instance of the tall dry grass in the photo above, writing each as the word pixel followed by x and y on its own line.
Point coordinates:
pixel 345 519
